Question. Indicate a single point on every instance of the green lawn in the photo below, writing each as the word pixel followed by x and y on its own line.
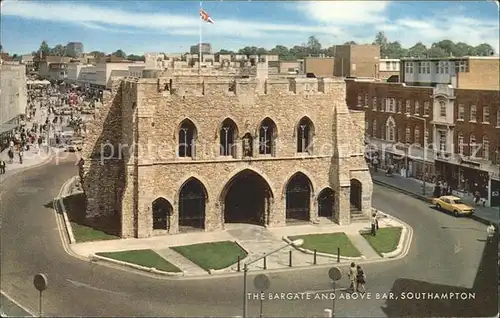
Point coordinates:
pixel 146 258
pixel 216 255
pixel 84 233
pixel 328 243
pixel 386 240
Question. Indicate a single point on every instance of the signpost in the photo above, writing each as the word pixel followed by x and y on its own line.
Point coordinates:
pixel 261 283
pixel 335 274
pixel 40 281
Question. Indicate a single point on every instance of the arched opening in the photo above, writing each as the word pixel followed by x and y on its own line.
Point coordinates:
pixel 326 201
pixel 246 198
pixel 267 136
pixel 355 197
pixel 247 145
pixel 162 211
pixel 228 134
pixel 192 200
pixel 298 197
pixel 305 131
pixel 187 138
pixel 390 131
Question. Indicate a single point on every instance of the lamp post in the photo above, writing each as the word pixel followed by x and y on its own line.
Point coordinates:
pixel 425 148
pixel 295 243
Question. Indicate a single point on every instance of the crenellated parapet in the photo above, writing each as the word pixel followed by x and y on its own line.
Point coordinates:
pixel 229 86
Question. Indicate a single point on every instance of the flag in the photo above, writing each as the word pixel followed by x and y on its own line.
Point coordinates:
pixel 205 17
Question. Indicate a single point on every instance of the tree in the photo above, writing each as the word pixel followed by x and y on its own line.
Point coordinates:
pixel 44 49
pixel 299 51
pixel 58 50
pixel 418 50
pixel 313 45
pixel 394 50
pixel 462 49
pixel 351 43
pixel 97 54
pixel 381 39
pixel 119 53
pixel 261 51
pixel 437 51
pixel 136 58
pixel 483 49
pixel 281 51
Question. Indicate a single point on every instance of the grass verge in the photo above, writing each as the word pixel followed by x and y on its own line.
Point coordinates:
pixel 386 240
pixel 146 258
pixel 328 243
pixel 216 255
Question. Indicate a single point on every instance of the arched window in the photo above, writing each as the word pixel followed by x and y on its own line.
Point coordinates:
pixel 472 145
pixel 416 135
pixel 374 128
pixel 442 108
pixel 187 139
pixel 305 131
pixel 267 137
pixel 408 134
pixel 390 130
pixel 486 148
pixel 460 143
pixel 228 134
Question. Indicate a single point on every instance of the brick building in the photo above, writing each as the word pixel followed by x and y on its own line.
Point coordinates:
pixel 215 150
pixel 356 60
pixel 462 127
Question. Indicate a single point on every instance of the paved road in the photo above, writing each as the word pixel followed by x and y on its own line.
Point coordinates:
pixel 444 251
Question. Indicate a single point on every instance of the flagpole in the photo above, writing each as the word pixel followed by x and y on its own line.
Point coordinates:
pixel 199 44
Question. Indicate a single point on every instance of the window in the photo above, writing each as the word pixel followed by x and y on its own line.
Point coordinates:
pixel 304 135
pixel 408 134
pixel 472 116
pixel 486 148
pixel 267 137
pixel 374 103
pixel 366 100
pixel 426 136
pixel 442 108
pixel 187 138
pixel 460 143
pixel 439 67
pixel 446 67
pixel 427 107
pixel 486 114
pixel 461 66
pixel 472 145
pixel 227 137
pixel 400 106
pixel 416 133
pixel 461 112
pixel 409 67
pixel 427 66
pixel 442 140
pixel 421 68
pixel 374 128
pixel 367 127
pixel 360 100
pixel 417 107
pixel 390 130
pixel 391 105
pixel 408 107
pixel 388 66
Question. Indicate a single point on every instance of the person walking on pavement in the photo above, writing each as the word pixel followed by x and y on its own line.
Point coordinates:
pixel 353 274
pixel 490 231
pixel 374 224
pixel 21 154
pixel 10 153
pixel 360 280
pixel 2 166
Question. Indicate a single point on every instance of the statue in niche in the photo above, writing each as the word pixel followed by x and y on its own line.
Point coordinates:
pixel 247 145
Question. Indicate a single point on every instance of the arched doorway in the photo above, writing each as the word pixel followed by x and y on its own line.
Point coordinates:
pixel 355 197
pixel 246 198
pixel 192 200
pixel 326 201
pixel 162 210
pixel 298 198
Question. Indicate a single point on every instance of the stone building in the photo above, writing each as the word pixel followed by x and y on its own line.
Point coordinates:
pixel 173 154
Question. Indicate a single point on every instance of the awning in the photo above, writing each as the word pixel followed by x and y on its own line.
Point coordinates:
pixel 7 127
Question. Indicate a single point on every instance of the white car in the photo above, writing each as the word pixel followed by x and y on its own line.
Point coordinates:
pixel 71 147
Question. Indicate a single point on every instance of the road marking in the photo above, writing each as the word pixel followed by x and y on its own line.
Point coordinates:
pixel 79 284
pixel 326 290
pixel 458 248
pixel 17 304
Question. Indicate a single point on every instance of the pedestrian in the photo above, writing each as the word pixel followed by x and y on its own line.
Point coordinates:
pixel 373 224
pixel 490 231
pixel 21 154
pixel 2 166
pixel 353 274
pixel 477 197
pixel 360 280
pixel 10 153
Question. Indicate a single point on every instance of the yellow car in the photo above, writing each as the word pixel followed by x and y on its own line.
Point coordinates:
pixel 453 205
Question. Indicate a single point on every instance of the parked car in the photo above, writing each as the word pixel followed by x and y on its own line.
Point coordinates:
pixel 452 204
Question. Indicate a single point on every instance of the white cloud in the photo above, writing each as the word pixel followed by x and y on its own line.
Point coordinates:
pixel 345 12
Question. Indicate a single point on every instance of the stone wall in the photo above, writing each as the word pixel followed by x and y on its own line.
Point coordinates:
pixel 141 120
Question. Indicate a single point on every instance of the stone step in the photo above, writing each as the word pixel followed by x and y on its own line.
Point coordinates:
pixel 359 217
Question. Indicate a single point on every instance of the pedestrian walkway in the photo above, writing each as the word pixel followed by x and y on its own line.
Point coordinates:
pixel 415 188
pixel 256 240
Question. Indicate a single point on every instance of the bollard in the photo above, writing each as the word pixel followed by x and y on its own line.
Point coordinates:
pixel 265 262
pixel 338 254
pixel 290 259
pixel 314 262
pixel 239 266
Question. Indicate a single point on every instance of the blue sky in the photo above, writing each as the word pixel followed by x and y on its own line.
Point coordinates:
pixel 172 26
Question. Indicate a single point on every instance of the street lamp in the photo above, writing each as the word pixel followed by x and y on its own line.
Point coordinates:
pixel 295 243
pixel 425 147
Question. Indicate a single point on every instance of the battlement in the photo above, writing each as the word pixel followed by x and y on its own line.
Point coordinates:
pixel 230 86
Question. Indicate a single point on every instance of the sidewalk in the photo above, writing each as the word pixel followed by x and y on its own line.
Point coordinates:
pixel 256 240
pixel 415 188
